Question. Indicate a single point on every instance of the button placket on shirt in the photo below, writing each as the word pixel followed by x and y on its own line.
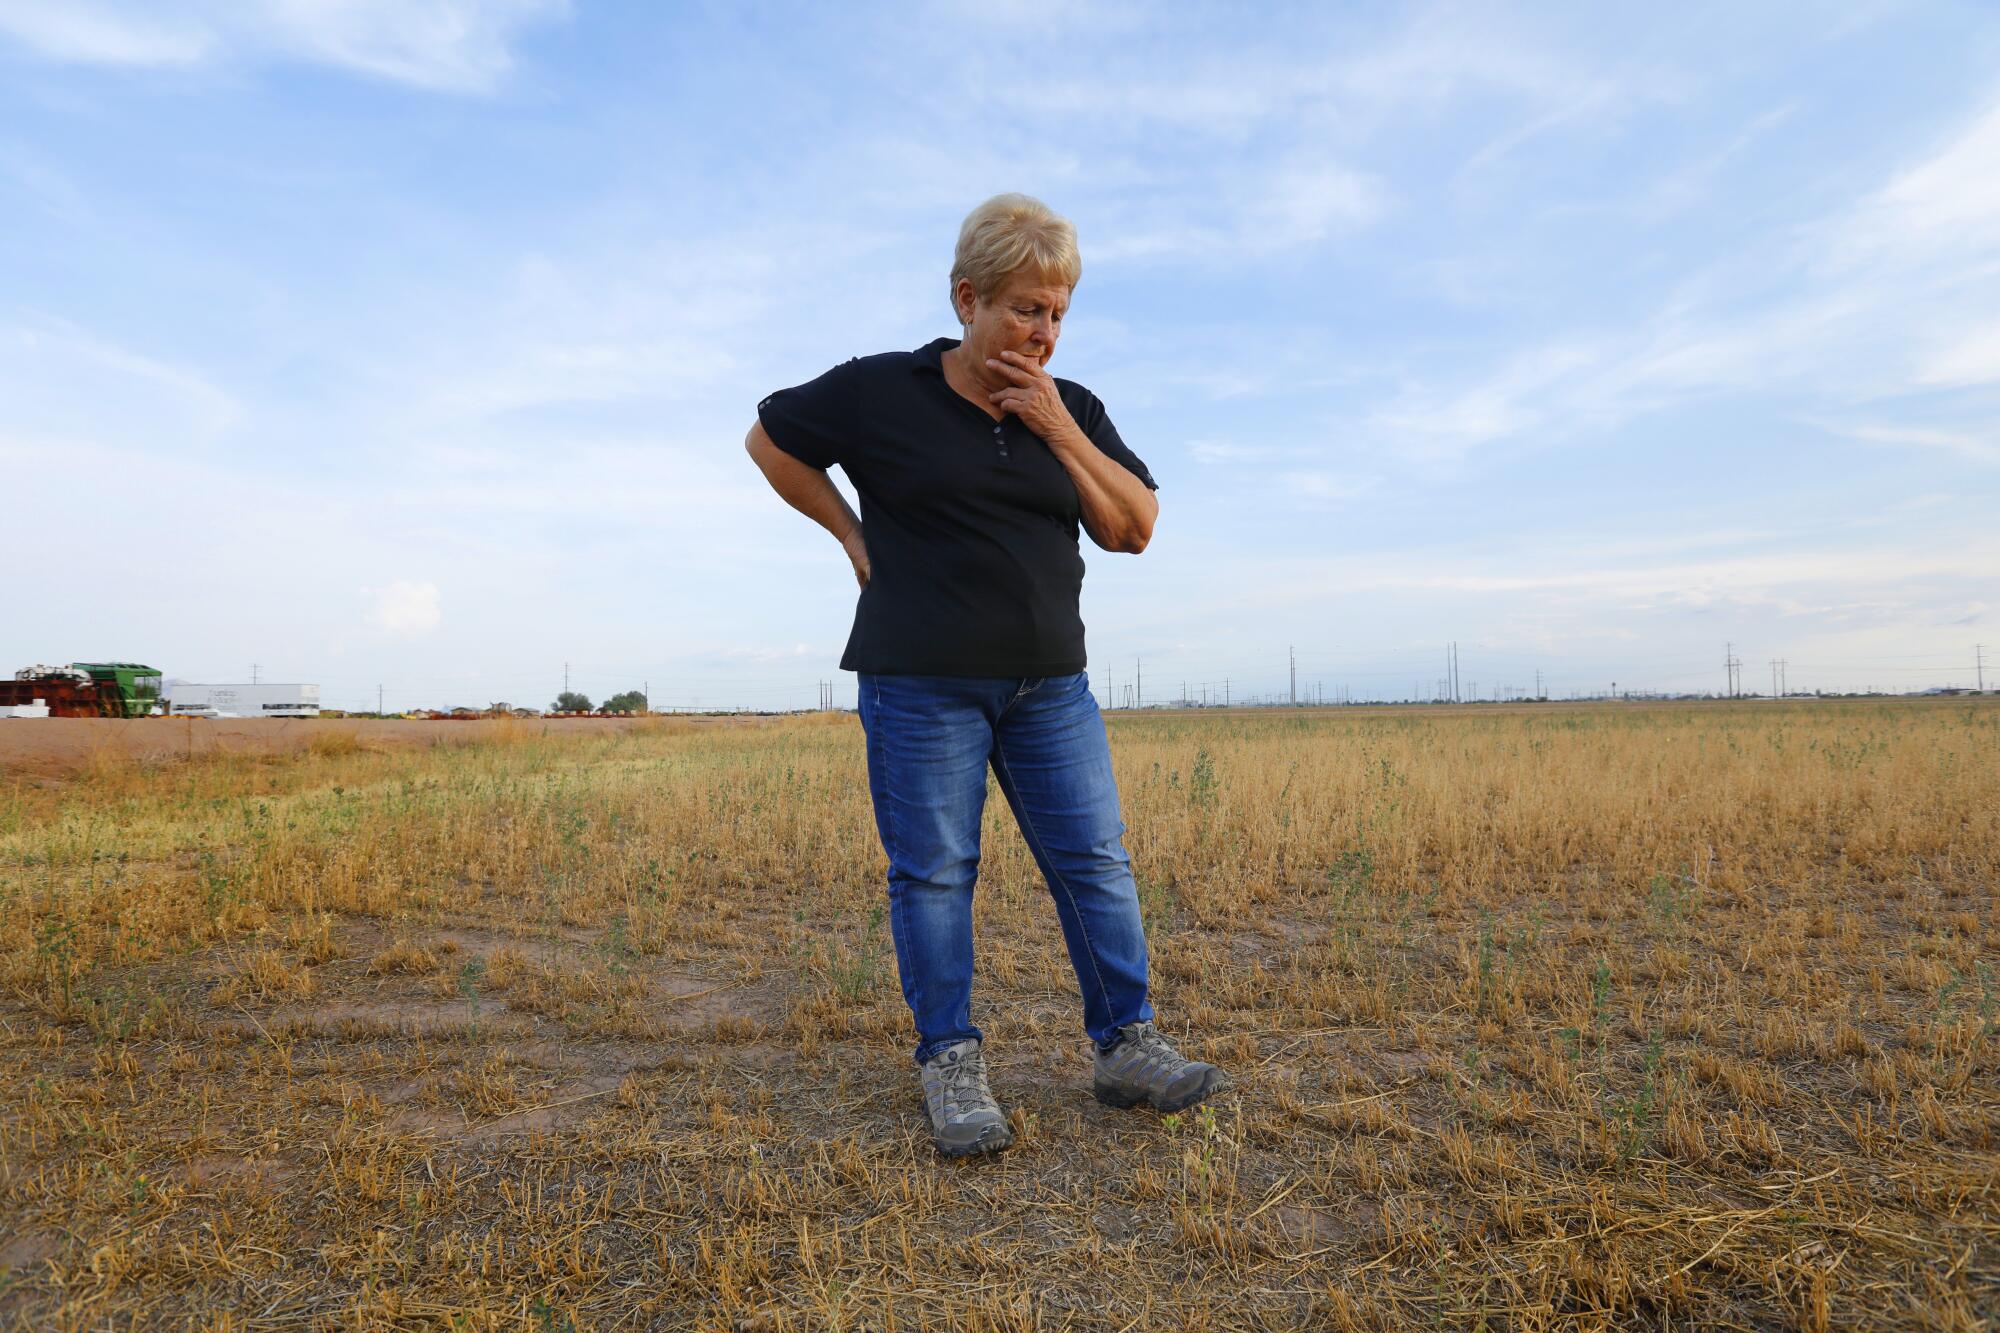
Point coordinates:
pixel 1002 452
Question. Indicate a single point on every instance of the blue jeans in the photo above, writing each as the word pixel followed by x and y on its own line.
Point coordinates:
pixel 930 739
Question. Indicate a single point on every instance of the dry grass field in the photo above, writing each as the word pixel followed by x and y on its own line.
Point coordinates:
pixel 1549 1017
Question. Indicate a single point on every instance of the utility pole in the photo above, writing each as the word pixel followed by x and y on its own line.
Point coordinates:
pixel 1784 680
pixel 565 678
pixel 1225 691
pixel 1538 682
pixel 1979 664
pixel 1293 655
pixel 1774 678
pixel 1732 667
pixel 1139 681
pixel 646 695
pixel 378 701
pixel 253 673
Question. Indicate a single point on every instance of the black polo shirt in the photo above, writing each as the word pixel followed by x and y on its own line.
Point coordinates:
pixel 971 524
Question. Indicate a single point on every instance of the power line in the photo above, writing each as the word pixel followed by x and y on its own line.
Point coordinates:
pixel 1206 679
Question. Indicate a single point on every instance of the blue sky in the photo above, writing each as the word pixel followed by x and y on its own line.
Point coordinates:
pixel 413 342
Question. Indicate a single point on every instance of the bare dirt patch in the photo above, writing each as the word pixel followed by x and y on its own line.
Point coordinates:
pixel 209 1170
pixel 28 1250
pixel 562 1104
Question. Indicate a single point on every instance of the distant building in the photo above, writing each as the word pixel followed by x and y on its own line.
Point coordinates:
pixel 188 699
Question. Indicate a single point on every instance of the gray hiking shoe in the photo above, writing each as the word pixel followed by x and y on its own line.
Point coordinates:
pixel 964 1117
pixel 1144 1067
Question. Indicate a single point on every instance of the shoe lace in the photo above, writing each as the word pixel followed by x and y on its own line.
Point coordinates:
pixel 962 1083
pixel 1155 1051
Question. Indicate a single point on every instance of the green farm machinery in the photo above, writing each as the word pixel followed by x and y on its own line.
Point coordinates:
pixel 86 689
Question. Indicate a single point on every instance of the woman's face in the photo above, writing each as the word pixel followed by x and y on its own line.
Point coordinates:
pixel 1025 315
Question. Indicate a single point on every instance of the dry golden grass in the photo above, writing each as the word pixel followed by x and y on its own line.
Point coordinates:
pixel 1542 1018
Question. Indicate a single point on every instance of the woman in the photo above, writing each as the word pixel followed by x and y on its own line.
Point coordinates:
pixel 975 469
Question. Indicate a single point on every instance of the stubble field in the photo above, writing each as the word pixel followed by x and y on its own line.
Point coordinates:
pixel 1549 1017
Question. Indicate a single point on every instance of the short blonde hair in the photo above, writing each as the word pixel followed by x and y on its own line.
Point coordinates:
pixel 1008 233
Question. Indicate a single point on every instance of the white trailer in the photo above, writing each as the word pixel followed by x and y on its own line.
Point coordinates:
pixel 188 699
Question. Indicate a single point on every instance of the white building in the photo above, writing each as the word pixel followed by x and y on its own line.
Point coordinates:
pixel 188 699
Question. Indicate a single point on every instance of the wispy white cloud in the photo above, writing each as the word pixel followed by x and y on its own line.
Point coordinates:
pixel 59 379
pixel 1971 447
pixel 1233 451
pixel 449 45
pixel 1321 487
pixel 47 186
pixel 1431 425
pixel 630 321
pixel 406 607
pixel 1886 581
pixel 1255 211
pixel 1841 310
pixel 89 33
pixel 1307 202
pixel 1694 182
pixel 1972 358
pixel 445 45
pixel 1947 204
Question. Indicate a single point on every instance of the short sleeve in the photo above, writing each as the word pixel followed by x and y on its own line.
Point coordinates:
pixel 1097 425
pixel 814 422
